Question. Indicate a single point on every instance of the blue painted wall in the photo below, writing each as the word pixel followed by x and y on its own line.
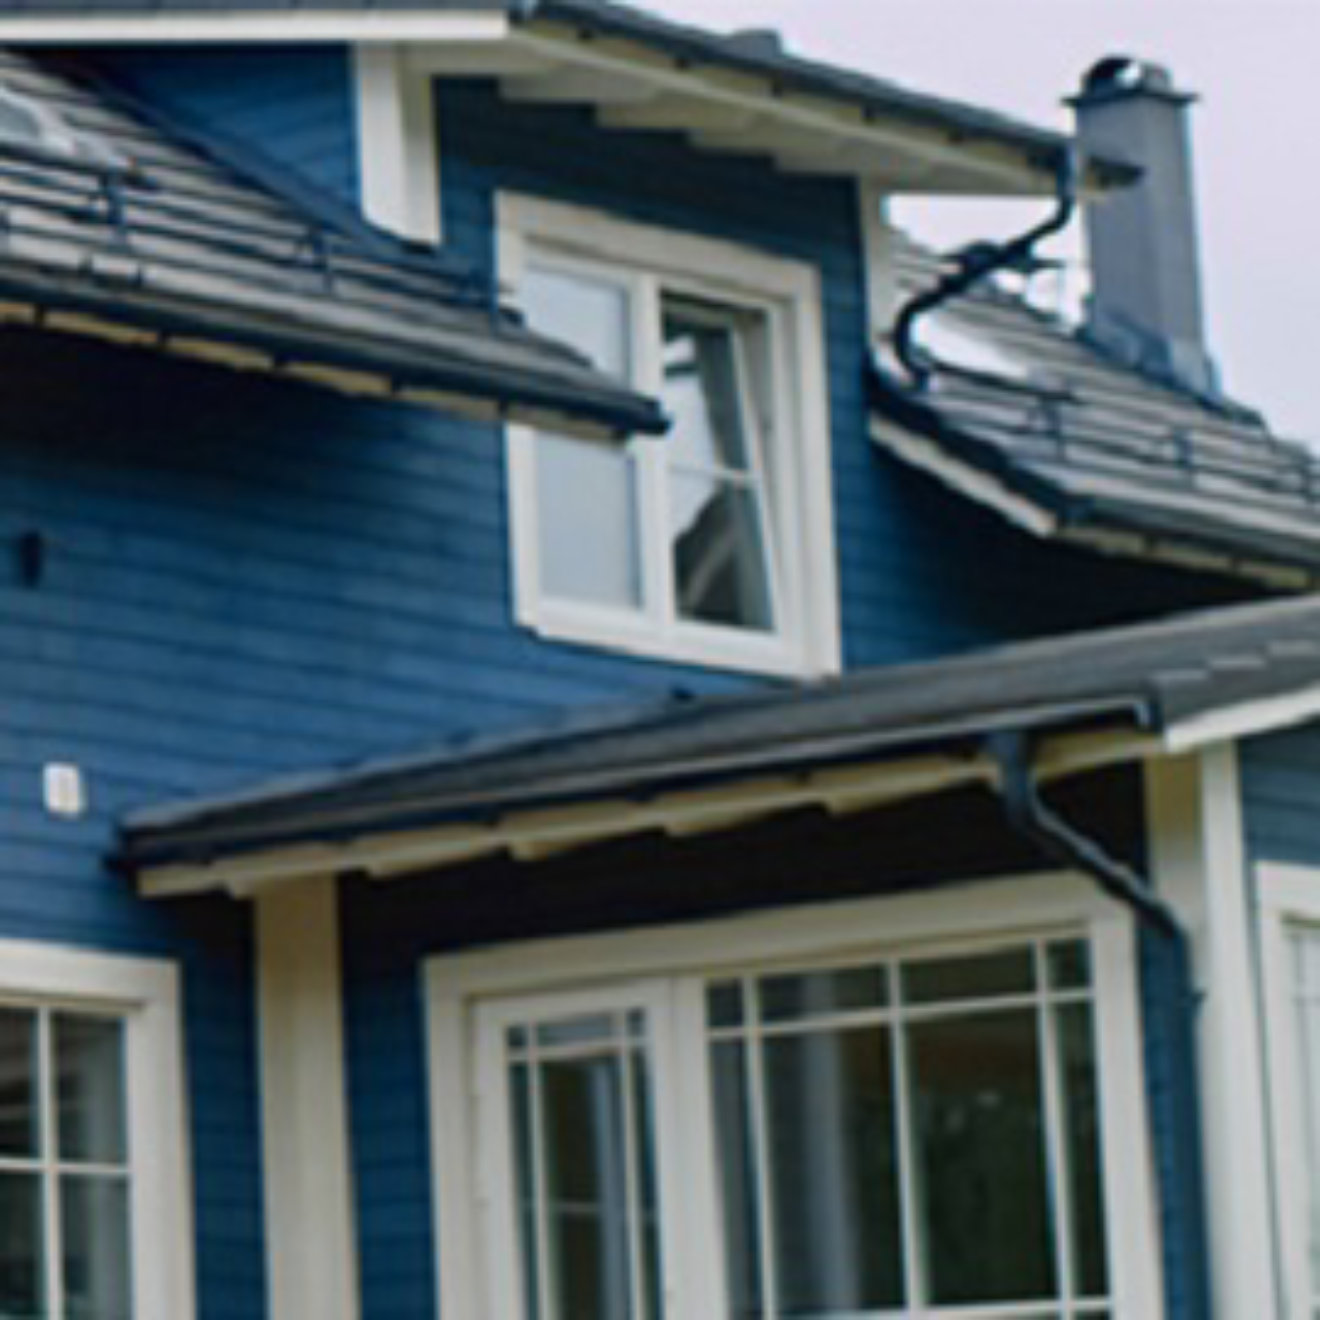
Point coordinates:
pixel 247 578
pixel 1280 788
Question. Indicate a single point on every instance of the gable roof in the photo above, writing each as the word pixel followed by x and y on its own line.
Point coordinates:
pixel 133 230
pixel 1054 433
pixel 864 738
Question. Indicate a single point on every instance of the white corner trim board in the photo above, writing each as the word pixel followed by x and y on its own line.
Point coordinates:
pixel 311 1241
pixel 1199 865
pixel 1289 909
pixel 398 143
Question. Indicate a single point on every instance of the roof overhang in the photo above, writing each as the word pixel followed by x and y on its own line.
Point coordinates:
pixel 1125 521
pixel 856 743
pixel 532 833
pixel 638 72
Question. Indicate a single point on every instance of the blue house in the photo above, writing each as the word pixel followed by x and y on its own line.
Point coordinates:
pixel 594 735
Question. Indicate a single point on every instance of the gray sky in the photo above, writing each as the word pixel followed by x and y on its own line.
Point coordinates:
pixel 1256 132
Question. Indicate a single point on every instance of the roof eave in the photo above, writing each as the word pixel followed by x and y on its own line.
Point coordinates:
pixel 134 315
pixel 538 825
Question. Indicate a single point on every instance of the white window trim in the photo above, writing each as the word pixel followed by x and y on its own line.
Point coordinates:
pixel 788 292
pixel 146 992
pixel 955 917
pixel 1288 896
pixel 398 143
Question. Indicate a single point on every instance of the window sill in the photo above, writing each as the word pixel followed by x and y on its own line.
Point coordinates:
pixel 706 647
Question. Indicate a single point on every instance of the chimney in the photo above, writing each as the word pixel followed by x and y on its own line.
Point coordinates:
pixel 1145 303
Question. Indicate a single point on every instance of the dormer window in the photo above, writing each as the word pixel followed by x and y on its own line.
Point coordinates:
pixel 700 546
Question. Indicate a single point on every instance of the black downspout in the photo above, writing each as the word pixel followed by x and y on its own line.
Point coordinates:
pixel 1170 1003
pixel 979 262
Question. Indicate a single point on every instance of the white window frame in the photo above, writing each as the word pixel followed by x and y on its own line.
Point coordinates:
pixel 961 918
pixel 787 293
pixel 144 994
pixel 1289 898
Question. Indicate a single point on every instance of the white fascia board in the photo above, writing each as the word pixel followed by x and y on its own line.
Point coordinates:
pixel 966 480
pixel 247 28
pixel 1284 710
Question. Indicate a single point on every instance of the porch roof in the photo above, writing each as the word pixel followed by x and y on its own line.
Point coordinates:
pixel 692 764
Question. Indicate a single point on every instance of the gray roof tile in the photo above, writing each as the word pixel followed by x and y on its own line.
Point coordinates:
pixel 1104 447
pixel 182 248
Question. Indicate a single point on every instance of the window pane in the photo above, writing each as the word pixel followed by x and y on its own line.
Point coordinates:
pixel 735 1141
pixel 89 1056
pixel 724 1004
pixel 18 1070
pixel 815 993
pixel 703 391
pixel 585 1173
pixel 1082 1134
pixel 721 569
pixel 1070 965
pixel 830 1134
pixel 986 977
pixel 94 1225
pixel 22 1249
pixel 589 312
pixel 980 1151
pixel 587 521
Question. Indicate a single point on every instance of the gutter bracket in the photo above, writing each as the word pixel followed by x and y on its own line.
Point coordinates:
pixel 1169 1009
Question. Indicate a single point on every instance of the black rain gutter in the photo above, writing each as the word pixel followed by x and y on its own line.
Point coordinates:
pixel 1170 1007
pixel 978 263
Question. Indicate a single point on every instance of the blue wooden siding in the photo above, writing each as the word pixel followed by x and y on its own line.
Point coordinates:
pixel 247 578
pixel 1280 791
pixel 295 106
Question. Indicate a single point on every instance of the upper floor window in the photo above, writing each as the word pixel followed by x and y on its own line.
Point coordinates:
pixel 712 545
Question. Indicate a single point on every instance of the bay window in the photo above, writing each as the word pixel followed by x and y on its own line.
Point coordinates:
pixel 712 544
pixel 895 1133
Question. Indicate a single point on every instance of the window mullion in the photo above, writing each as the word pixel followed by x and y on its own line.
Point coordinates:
pixel 756 1091
pixel 698 1264
pixel 652 457
pixel 915 1285
pixel 633 1207
pixel 540 1200
pixel 757 419
pixel 1056 1147
pixel 51 1190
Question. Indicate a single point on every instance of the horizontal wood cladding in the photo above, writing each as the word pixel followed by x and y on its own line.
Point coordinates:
pixel 1280 776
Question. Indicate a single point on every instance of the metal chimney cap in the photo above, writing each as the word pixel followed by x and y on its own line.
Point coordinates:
pixel 1124 77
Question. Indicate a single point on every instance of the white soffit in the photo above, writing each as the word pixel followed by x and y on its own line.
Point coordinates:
pixel 633 87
